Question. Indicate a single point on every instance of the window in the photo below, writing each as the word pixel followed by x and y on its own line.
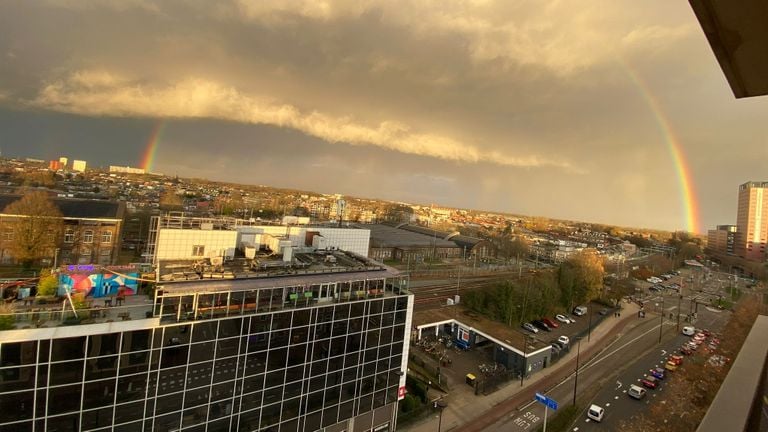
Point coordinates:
pixel 88 236
pixel 86 251
pixel 105 252
pixel 69 236
pixel 198 250
pixel 106 236
pixel 8 234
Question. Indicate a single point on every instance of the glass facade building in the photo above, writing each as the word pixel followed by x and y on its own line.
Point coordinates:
pixel 322 352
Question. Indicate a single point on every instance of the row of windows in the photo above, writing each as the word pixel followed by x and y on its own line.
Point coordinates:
pixel 278 367
pixel 69 236
pixel 308 413
pixel 331 338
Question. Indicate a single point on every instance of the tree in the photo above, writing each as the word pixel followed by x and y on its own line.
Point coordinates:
pixel 48 285
pixel 581 278
pixel 36 227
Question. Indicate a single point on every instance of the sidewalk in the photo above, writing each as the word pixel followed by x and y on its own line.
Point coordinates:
pixel 474 413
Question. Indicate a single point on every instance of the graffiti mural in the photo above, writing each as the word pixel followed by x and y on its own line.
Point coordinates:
pixel 97 284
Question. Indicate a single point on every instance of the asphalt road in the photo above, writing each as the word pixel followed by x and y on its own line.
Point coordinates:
pixel 604 379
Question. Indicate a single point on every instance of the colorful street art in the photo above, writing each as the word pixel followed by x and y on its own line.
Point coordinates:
pixel 98 284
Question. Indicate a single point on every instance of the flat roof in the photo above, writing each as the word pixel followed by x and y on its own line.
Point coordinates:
pixel 245 284
pixel 388 236
pixel 265 264
pixel 504 334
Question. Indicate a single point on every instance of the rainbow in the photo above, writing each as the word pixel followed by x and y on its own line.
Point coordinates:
pixel 687 191
pixel 150 153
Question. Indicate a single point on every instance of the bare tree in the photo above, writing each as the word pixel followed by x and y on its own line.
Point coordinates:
pixel 36 225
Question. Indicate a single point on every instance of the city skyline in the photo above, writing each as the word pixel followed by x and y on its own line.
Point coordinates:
pixel 614 114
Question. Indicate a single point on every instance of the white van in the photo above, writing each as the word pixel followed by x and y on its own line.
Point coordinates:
pixel 689 330
pixel 580 310
pixel 595 413
pixel 636 392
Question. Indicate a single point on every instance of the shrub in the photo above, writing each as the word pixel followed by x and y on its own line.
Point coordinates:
pixel 48 285
pixel 408 404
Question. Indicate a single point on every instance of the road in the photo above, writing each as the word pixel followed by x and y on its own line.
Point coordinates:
pixel 609 374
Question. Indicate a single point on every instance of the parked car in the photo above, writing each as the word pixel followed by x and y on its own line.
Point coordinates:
pixel 580 310
pixel 563 318
pixel 636 392
pixel 596 413
pixel 550 323
pixel 670 366
pixel 686 350
pixel 530 327
pixel 649 382
pixel 658 373
pixel 564 340
pixel 603 311
pixel 676 359
pixel 689 330
pixel 555 348
pixel 540 324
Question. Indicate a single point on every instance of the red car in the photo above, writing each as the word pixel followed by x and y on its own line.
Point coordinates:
pixel 649 382
pixel 686 350
pixel 550 323
pixel 676 359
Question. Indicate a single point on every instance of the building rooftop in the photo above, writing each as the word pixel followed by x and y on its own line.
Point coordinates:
pixel 502 333
pixel 388 236
pixel 76 208
pixel 268 266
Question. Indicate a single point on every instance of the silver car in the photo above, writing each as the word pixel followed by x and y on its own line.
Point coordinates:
pixel 530 328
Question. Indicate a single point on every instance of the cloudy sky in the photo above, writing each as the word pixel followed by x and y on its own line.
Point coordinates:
pixel 530 107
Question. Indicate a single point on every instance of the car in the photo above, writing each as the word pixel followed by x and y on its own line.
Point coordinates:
pixel 670 366
pixel 564 340
pixel 689 330
pixel 596 413
pixel 686 350
pixel 636 392
pixel 555 348
pixel 550 323
pixel 699 337
pixel 676 359
pixel 658 373
pixel 562 318
pixel 654 288
pixel 649 382
pixel 603 311
pixel 691 345
pixel 580 310
pixel 540 324
pixel 530 328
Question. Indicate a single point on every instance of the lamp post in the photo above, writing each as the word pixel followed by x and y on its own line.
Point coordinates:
pixel 589 326
pixel 576 377
pixel 661 318
pixel 440 404
pixel 525 359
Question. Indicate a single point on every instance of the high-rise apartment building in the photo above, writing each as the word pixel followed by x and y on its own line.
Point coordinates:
pixel 79 165
pixel 722 239
pixel 320 344
pixel 752 221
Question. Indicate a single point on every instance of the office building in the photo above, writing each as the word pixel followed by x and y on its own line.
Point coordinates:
pixel 722 239
pixel 320 343
pixel 752 221
pixel 78 165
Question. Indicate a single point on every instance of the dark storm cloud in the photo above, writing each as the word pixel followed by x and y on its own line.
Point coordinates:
pixel 511 105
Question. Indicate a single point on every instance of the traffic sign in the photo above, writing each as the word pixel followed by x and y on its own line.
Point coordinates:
pixel 549 403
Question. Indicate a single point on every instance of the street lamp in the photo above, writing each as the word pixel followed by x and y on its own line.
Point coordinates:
pixel 661 318
pixel 524 369
pixel 576 377
pixel 440 404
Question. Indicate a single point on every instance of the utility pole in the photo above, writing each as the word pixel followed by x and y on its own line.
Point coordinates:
pixel 525 359
pixel 679 299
